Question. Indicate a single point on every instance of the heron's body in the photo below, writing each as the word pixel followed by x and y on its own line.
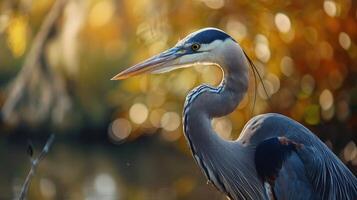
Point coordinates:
pixel 243 169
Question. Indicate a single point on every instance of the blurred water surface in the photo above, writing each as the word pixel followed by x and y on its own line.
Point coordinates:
pixel 144 169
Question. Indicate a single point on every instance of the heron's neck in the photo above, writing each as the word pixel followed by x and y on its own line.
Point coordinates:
pixel 224 163
pixel 203 104
pixel 206 102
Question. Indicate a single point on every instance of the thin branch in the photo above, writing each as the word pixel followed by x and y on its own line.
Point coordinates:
pixel 34 163
pixel 32 58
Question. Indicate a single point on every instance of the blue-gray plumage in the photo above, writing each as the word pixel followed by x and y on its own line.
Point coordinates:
pixel 274 157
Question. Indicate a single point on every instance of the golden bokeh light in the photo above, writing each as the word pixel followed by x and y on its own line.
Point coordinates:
pixel 120 129
pixel 350 151
pixel 330 8
pixel 170 121
pixel 282 22
pixel 236 29
pixel 274 81
pixel 155 117
pixel 344 40
pixel 326 99
pixel 138 113
pixel 287 66
pixel 262 50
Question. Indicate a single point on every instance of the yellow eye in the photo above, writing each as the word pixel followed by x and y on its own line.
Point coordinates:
pixel 195 46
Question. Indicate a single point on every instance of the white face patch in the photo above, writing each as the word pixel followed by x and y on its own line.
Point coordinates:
pixel 211 46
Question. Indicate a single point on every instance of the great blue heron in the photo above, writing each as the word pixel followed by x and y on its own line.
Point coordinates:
pixel 274 157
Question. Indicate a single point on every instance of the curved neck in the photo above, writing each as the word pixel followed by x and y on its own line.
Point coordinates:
pixel 205 102
pixel 224 163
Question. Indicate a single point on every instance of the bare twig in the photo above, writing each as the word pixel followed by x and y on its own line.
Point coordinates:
pixel 34 164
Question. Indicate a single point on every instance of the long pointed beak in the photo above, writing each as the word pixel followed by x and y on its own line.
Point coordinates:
pixel 155 63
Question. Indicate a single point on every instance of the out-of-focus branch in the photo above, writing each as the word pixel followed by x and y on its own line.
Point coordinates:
pixel 34 163
pixel 34 60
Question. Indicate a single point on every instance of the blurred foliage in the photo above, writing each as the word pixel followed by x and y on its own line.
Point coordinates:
pixel 306 52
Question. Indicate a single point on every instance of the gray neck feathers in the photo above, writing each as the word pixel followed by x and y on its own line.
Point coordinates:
pixel 206 102
pixel 220 159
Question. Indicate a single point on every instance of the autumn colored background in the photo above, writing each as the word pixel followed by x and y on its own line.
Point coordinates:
pixel 123 139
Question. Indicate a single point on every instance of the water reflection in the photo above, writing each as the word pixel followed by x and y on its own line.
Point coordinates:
pixel 146 169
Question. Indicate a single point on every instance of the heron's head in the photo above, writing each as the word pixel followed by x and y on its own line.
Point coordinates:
pixel 203 46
